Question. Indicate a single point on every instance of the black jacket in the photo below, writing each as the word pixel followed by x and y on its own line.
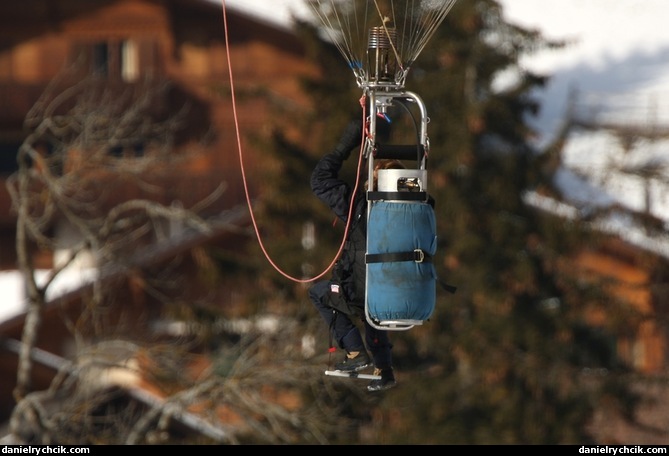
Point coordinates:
pixel 350 268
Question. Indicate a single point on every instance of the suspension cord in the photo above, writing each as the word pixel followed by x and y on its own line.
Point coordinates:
pixel 243 173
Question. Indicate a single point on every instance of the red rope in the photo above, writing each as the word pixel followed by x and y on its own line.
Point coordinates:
pixel 246 190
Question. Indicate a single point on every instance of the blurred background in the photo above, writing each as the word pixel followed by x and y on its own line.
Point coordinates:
pixel 158 233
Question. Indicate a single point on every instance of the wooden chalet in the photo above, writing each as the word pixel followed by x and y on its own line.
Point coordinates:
pixel 130 44
pixel 133 44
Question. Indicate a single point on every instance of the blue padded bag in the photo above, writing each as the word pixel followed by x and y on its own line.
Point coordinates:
pixel 401 290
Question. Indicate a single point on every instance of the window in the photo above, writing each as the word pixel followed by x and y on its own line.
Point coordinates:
pixel 111 59
pixel 127 151
pixel 129 60
pixel 6 64
pixel 100 59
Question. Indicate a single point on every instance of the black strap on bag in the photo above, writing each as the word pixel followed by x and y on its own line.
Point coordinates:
pixel 450 288
pixel 398 196
pixel 417 255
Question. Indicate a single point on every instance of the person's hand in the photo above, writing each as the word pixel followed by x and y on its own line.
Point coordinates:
pixel 350 139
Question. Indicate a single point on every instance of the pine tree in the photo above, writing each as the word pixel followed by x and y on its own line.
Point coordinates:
pixel 511 342
pixel 504 360
pixel 299 239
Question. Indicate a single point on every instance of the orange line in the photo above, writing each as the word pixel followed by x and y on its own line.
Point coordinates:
pixel 246 190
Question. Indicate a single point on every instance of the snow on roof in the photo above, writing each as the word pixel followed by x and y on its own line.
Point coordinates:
pixel 13 292
pixel 278 12
pixel 617 68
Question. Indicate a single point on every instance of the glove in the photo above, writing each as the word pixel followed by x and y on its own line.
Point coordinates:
pixel 350 139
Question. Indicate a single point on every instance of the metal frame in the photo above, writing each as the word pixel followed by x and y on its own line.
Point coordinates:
pixel 379 102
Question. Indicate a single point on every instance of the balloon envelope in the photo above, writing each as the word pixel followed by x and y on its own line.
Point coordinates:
pixel 380 39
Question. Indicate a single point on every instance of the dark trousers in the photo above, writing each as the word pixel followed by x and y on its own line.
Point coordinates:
pixel 345 332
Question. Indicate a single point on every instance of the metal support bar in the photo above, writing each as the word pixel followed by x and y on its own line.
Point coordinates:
pixel 379 101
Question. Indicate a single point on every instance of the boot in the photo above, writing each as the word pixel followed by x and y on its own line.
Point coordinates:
pixel 354 362
pixel 387 380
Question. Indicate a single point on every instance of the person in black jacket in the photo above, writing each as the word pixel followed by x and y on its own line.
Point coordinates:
pixel 341 300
